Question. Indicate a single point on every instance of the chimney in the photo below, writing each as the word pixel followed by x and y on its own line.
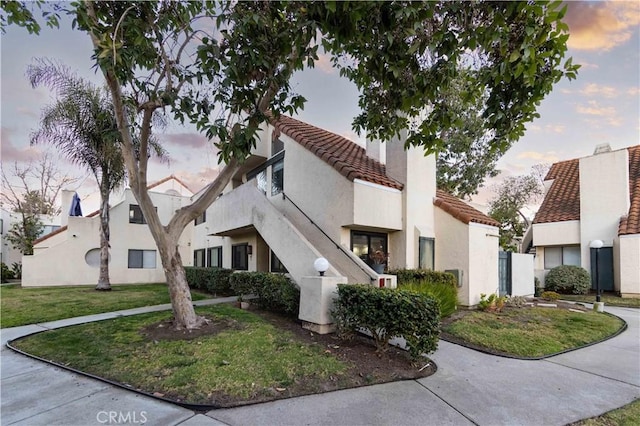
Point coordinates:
pixel 602 148
pixel 377 151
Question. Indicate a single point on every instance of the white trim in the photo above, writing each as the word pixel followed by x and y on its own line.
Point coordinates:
pixel 377 186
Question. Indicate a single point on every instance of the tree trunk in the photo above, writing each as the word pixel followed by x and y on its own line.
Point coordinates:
pixel 183 312
pixel 104 283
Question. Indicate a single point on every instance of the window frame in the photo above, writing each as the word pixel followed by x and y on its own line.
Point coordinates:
pixel 563 256
pixel 200 219
pixel 366 258
pixel 142 259
pixel 219 257
pixel 275 265
pixel 135 215
pixel 433 252
pixel 199 254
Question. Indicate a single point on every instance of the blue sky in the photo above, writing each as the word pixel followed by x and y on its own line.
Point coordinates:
pixel 601 106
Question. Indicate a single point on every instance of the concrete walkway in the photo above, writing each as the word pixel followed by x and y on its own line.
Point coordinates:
pixel 469 388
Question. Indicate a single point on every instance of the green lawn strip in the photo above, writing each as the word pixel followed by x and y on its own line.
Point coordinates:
pixel 623 416
pixel 251 360
pixel 610 300
pixel 21 306
pixel 533 332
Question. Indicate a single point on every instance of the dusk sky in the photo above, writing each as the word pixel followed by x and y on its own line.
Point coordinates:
pixel 601 106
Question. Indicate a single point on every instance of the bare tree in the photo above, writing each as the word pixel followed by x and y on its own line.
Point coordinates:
pixel 32 191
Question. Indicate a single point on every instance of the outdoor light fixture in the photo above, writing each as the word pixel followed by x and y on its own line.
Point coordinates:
pixel 321 265
pixel 249 249
pixel 597 244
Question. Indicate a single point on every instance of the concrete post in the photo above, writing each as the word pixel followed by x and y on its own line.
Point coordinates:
pixel 316 300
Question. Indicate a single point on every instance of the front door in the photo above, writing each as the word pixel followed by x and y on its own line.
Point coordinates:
pixel 604 269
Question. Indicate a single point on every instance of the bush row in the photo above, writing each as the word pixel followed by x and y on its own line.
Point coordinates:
pixel 212 280
pixel 387 313
pixel 275 292
pixel 412 275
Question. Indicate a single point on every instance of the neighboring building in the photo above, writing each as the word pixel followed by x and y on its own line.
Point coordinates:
pixel 71 255
pixel 587 199
pixel 10 255
pixel 307 193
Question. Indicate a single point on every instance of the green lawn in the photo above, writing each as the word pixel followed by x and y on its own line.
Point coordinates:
pixel 249 360
pixel 629 415
pixel 533 332
pixel 21 306
pixel 608 299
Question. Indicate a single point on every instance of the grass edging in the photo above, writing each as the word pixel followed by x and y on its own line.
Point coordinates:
pixel 460 342
pixel 194 407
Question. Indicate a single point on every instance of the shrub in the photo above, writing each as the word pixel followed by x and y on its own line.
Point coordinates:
pixel 5 273
pixel 550 295
pixel 16 268
pixel 568 279
pixel 387 313
pixel 444 293
pixel 409 275
pixel 211 280
pixel 493 303
pixel 275 292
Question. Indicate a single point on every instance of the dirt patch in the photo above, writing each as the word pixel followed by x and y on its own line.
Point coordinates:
pixel 165 330
pixel 366 367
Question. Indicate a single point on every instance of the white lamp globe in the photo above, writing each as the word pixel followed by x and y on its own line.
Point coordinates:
pixel 596 244
pixel 321 265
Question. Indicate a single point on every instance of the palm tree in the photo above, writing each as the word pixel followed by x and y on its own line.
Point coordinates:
pixel 81 124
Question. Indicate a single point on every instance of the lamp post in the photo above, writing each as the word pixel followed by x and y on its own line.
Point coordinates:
pixel 597 245
pixel 321 265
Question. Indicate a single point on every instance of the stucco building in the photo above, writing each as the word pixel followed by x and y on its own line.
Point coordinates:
pixel 587 199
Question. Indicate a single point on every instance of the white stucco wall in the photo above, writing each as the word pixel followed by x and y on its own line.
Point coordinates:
pixel 452 249
pixel 556 233
pixel 483 261
pixel 418 174
pixel 522 276
pixel 604 198
pixel 629 265
pixel 60 260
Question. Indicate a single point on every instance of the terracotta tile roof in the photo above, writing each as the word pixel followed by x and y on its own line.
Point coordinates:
pixel 345 156
pixel 461 210
pixel 630 224
pixel 562 201
pixel 61 229
pixel 167 179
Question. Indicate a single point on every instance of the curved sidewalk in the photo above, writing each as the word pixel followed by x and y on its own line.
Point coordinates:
pixel 469 388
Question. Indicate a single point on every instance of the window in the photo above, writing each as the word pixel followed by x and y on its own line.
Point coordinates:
pixel 426 253
pixel 240 257
pixel 277 177
pixel 366 244
pixel 135 214
pixel 214 257
pixel 145 259
pixel 556 256
pixel 276 265
pixel 198 258
pixel 201 219
pixel 47 229
pixel 276 146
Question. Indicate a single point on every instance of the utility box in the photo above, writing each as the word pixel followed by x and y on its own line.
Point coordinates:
pixel 458 273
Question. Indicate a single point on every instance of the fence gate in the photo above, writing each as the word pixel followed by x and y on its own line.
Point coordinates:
pixel 504 273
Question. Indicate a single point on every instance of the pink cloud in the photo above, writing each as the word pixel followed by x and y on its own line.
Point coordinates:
pixel 188 140
pixel 12 153
pixel 198 180
pixel 601 25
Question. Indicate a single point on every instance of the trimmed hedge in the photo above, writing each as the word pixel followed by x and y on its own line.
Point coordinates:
pixel 275 292
pixel 568 279
pixel 211 280
pixel 387 313
pixel 409 275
